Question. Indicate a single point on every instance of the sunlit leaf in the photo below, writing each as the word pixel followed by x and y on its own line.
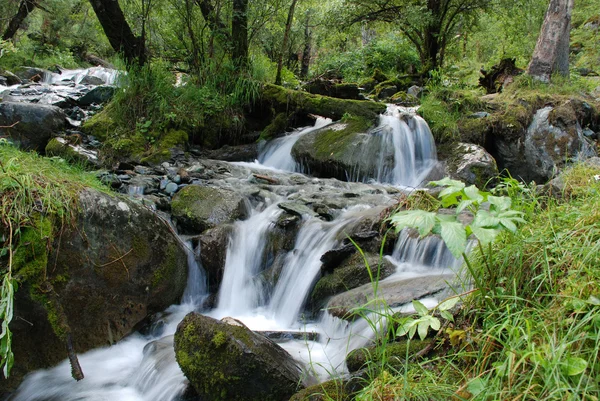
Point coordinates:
pixel 423 329
pixel 476 386
pixel 500 203
pixel 448 304
pixel 574 366
pixel 485 235
pixel 421 220
pixel 473 193
pixel 435 323
pixel 455 237
pixel 420 308
pixel 483 218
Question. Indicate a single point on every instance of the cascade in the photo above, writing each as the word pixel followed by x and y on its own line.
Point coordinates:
pixel 278 152
pixel 143 368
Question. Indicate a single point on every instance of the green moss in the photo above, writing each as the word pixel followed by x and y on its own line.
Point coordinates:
pixel 332 390
pixel 31 254
pixel 219 339
pixel 277 127
pixel 395 354
pixel 101 125
pixel 405 99
pixel 333 141
pixel 167 268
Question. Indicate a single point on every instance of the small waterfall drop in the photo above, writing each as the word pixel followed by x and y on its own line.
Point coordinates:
pixel 196 289
pixel 278 152
pixel 106 75
pixel 241 291
pixel 411 145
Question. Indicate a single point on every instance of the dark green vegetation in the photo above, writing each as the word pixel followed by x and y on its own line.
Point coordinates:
pixel 530 327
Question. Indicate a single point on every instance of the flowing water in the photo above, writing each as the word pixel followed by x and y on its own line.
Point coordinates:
pixel 143 367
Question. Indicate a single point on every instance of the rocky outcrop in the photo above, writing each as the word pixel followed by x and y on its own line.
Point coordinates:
pixel 471 164
pixel 213 245
pixel 110 267
pixel 226 361
pixel 394 292
pixel 197 208
pixel 340 149
pixel 30 125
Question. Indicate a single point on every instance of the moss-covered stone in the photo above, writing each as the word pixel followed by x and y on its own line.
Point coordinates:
pixel 276 128
pixel 332 390
pixel 229 362
pixel 291 101
pixel 197 208
pixel 350 274
pixel 101 125
pixel 404 99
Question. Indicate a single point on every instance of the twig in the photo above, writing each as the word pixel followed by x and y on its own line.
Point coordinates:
pixel 266 178
pixel 10 126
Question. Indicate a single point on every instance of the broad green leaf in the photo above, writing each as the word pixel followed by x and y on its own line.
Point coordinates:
pixel 593 300
pixel 413 330
pixel 483 218
pixel 574 366
pixel 448 182
pixel 464 204
pixel 434 322
pixel 420 308
pixel 423 329
pixel 450 200
pixel 454 236
pixel 509 224
pixel 476 387
pixel 448 304
pixel 500 203
pixel 405 326
pixel 421 220
pixel 473 193
pixel 447 315
pixel 485 235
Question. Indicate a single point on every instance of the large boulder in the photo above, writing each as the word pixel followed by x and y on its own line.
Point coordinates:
pixel 394 292
pixel 213 251
pixel 8 78
pixel 226 361
pixel 471 164
pixel 32 74
pixel 30 125
pixel 340 150
pixel 197 208
pixel 109 268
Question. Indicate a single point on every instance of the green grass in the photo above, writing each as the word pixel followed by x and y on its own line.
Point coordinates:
pixel 538 336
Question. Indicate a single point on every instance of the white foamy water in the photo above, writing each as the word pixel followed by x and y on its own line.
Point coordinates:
pixel 107 75
pixel 277 153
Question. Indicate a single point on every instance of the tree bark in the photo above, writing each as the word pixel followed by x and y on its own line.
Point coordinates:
pixel 119 33
pixel 216 25
pixel 25 8
pixel 551 52
pixel 239 34
pixel 307 48
pixel 286 36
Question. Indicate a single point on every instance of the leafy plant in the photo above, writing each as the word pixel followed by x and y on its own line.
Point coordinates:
pixel 492 215
pixel 426 319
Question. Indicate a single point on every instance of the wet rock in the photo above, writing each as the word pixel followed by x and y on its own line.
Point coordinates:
pixel 213 250
pixel 350 273
pixel 385 92
pixel 297 209
pixel 98 95
pixel 471 164
pixel 61 147
pixel 171 188
pixel 91 80
pixel 32 124
pixel 415 91
pixel 333 89
pixel 197 208
pixel 230 362
pixel 395 293
pixel 116 264
pixel 32 74
pixel 332 258
pixel 10 79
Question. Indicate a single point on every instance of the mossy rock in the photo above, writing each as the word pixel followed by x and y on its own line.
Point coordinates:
pixel 350 274
pixel 404 99
pixel 396 354
pixel 302 103
pixel 276 128
pixel 230 362
pixel 116 258
pixel 197 208
pixel 62 148
pixel 213 243
pixel 471 164
pixel 347 150
pixel 332 390
pixel 101 125
pixel 30 125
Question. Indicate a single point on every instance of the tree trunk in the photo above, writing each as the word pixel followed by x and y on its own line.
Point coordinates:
pixel 239 34
pixel 210 15
pixel 118 32
pixel 307 48
pixel 551 52
pixel 286 36
pixel 25 8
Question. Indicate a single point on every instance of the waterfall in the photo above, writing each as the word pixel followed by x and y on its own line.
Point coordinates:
pixel 107 75
pixel 278 152
pixel 241 291
pixel 196 289
pixel 302 267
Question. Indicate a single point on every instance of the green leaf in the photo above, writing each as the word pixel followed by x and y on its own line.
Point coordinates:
pixel 574 366
pixel 500 203
pixel 476 386
pixel 463 205
pixel 420 308
pixel 447 315
pixel 483 218
pixel 448 304
pixel 474 194
pixel 485 235
pixel 421 220
pixel 423 329
pixel 434 322
pixel 454 236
